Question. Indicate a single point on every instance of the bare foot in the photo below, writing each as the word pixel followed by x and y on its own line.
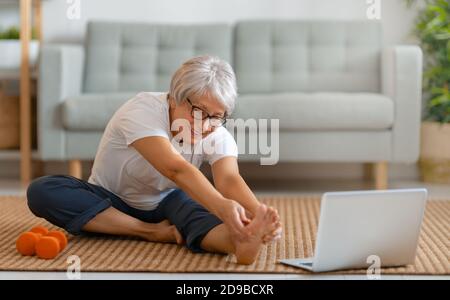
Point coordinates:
pixel 276 233
pixel 165 233
pixel 264 222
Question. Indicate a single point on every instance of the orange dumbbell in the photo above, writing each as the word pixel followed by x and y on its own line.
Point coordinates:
pixel 39 229
pixel 47 247
pixel 26 243
pixel 60 236
pixel 45 244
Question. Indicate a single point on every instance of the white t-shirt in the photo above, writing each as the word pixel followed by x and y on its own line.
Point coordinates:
pixel 119 168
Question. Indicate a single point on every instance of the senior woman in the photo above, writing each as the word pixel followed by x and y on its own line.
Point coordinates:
pixel 145 182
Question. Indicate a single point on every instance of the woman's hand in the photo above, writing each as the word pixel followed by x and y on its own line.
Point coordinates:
pixel 233 216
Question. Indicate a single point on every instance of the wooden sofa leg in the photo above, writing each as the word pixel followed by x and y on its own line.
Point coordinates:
pixel 381 175
pixel 75 168
pixel 368 172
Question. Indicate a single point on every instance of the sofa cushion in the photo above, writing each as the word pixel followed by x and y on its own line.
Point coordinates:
pixel 296 111
pixel 307 56
pixel 91 112
pixel 319 111
pixel 123 57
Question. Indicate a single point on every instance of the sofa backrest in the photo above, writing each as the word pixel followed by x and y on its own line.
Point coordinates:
pixel 122 57
pixel 307 56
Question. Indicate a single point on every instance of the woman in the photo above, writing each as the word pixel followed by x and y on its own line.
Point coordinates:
pixel 145 175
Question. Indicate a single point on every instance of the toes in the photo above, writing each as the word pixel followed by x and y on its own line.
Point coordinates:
pixel 274 226
pixel 267 238
pixel 277 234
pixel 279 227
pixel 273 214
pixel 262 210
pixel 271 237
pixel 277 230
pixel 261 213
pixel 267 222
pixel 277 216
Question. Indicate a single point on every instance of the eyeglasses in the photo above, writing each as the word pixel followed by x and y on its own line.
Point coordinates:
pixel 213 121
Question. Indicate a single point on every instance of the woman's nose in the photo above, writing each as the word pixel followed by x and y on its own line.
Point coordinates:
pixel 207 125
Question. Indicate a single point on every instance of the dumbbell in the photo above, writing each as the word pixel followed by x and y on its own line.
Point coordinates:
pixel 45 244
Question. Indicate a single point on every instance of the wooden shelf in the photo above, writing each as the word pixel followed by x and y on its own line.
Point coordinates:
pixel 29 9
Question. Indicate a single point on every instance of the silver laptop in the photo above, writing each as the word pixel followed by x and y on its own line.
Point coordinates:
pixel 357 226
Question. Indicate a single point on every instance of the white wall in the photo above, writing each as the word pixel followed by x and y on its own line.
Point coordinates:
pixel 396 19
pixel 9 15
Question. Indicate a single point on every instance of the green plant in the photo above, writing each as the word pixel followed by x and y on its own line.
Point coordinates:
pixel 13 33
pixel 433 30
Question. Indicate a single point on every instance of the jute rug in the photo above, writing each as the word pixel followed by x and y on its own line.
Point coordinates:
pixel 298 213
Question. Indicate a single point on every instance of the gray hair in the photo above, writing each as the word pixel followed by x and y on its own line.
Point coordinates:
pixel 205 74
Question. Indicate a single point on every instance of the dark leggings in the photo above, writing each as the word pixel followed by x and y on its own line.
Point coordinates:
pixel 70 203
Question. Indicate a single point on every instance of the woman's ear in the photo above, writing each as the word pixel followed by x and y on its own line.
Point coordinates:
pixel 172 103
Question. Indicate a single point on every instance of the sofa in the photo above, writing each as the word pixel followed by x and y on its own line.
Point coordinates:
pixel 339 94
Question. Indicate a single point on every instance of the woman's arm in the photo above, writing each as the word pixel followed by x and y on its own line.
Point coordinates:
pixel 230 184
pixel 160 153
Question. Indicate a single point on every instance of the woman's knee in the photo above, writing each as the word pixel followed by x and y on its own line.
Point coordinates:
pixel 41 194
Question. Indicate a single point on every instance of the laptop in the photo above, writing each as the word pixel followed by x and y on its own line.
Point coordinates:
pixel 354 227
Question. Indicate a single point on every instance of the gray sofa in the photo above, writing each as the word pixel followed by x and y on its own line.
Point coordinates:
pixel 339 95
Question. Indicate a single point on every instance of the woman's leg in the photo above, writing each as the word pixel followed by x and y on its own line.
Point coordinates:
pixel 113 221
pixel 77 206
pixel 203 231
pixel 246 252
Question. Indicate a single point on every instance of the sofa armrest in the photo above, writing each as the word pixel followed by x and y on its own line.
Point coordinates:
pixel 60 76
pixel 402 82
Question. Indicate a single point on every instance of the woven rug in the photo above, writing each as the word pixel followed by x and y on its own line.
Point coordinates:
pixel 298 213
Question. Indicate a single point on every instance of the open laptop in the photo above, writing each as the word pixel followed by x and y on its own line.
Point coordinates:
pixel 355 225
